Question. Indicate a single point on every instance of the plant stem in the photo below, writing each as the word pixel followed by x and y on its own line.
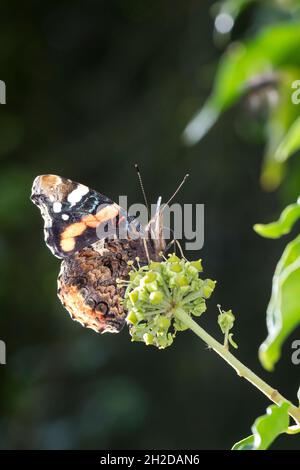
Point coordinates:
pixel 239 367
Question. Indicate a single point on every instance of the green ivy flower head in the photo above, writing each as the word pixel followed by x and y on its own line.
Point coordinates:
pixel 157 291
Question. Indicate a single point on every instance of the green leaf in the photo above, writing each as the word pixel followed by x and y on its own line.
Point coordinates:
pixel 282 226
pixel 274 47
pixel 290 143
pixel 245 444
pixel 266 428
pixel 283 312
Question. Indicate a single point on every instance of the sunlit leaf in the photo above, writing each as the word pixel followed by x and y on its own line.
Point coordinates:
pixel 282 226
pixel 266 428
pixel 283 313
pixel 274 47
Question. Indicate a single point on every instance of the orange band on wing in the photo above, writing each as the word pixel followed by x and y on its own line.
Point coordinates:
pixel 107 213
pixel 68 244
pixel 73 230
pixel 90 221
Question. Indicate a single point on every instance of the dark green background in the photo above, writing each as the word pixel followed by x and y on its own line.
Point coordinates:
pixel 92 88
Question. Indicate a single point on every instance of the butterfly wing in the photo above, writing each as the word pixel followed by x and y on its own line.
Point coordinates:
pixel 77 221
pixel 76 216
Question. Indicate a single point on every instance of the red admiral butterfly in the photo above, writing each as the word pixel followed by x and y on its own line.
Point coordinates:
pixel 73 215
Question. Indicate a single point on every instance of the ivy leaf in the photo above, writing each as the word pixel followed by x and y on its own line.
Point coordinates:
pixel 245 444
pixel 282 226
pixel 266 428
pixel 274 47
pixel 290 143
pixel 283 312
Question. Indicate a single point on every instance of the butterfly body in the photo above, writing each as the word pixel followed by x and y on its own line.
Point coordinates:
pixel 74 216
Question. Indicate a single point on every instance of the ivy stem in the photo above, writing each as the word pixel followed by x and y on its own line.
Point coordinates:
pixel 239 367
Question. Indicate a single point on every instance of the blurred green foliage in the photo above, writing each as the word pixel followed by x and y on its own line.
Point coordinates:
pixel 264 67
pixel 92 88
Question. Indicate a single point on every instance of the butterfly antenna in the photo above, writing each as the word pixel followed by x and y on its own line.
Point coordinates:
pixel 142 188
pixel 177 190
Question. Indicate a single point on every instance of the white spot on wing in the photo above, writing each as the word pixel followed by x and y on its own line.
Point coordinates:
pixel 65 217
pixel 78 193
pixel 57 207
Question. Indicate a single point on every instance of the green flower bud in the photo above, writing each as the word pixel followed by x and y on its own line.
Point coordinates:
pixel 139 315
pixel 148 339
pixel 143 294
pixel 198 265
pixel 137 332
pixel 184 290
pixel 134 296
pixel 152 286
pixel 150 277
pixel 173 258
pixel 132 318
pixel 149 281
pixel 176 268
pixel 156 297
pixel 164 341
pixel 198 308
pixel 192 271
pixel 179 326
pixel 196 284
pixel 208 288
pixel 226 321
pixel 181 280
pixel 163 323
pixel 135 277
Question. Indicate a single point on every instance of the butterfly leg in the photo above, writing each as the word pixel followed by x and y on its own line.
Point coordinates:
pixel 177 245
pixel 146 250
